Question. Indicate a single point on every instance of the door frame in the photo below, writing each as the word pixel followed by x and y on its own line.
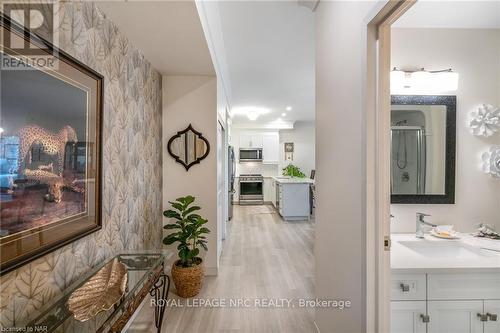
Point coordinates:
pixel 378 200
pixel 222 212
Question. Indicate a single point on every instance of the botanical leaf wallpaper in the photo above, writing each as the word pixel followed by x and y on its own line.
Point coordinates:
pixel 131 165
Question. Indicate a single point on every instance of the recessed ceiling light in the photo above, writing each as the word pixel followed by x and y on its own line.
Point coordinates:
pixel 1 130
pixel 283 114
pixel 289 108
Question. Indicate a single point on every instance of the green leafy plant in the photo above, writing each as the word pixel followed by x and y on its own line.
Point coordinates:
pixel 188 230
pixel 293 171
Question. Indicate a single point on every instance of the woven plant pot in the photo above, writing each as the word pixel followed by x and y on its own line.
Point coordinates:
pixel 188 280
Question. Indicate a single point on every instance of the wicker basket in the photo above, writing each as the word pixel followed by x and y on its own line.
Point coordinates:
pixel 188 280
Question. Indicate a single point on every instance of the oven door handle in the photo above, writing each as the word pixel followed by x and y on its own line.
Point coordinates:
pixel 251 181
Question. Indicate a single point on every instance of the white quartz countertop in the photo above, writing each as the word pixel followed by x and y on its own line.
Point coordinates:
pixel 412 255
pixel 293 180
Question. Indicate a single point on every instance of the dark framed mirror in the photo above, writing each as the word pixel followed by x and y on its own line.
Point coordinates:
pixel 423 140
pixel 188 147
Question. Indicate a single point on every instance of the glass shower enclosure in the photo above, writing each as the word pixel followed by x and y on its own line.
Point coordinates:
pixel 408 159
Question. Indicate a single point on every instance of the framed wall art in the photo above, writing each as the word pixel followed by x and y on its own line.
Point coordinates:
pixel 50 148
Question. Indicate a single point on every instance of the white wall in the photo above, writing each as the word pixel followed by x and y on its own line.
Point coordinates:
pixel 474 54
pixel 302 135
pixel 340 246
pixel 192 99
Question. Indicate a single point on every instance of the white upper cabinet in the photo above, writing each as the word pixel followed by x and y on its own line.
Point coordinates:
pixel 268 141
pixel 250 141
pixel 271 148
pixel 245 141
pixel 256 141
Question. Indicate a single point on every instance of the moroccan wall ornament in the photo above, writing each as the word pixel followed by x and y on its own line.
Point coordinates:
pixel 188 147
pixel 485 121
pixel 491 161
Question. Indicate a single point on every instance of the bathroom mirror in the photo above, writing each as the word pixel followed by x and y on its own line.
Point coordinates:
pixel 188 147
pixel 423 149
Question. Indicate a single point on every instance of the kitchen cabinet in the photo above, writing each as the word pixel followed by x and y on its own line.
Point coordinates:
pixel 268 141
pixel 273 192
pixel 267 190
pixel 271 148
pixel 292 198
pixel 455 317
pixel 251 141
pixel 406 317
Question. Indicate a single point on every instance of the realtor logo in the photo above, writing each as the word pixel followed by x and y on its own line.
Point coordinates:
pixel 28 32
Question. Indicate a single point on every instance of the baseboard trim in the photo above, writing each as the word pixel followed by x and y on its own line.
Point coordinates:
pixel 211 271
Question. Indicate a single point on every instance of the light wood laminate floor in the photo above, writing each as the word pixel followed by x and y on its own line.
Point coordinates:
pixel 263 258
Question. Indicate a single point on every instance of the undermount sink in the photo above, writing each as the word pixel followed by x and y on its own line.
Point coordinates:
pixel 442 249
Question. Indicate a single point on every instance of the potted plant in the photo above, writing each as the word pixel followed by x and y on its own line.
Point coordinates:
pixel 189 232
pixel 293 171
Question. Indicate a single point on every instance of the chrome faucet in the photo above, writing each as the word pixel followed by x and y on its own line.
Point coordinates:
pixel 419 233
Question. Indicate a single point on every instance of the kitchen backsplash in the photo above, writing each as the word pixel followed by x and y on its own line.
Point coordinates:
pixel 267 170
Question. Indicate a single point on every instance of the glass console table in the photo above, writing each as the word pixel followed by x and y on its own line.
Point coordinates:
pixel 145 275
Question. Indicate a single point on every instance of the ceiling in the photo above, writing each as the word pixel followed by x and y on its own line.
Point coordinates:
pixel 269 51
pixel 168 33
pixel 452 14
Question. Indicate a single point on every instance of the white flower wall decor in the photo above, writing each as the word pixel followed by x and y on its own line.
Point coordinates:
pixel 491 162
pixel 485 120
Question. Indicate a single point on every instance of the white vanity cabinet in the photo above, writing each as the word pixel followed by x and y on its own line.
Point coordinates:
pixel 455 317
pixel 492 311
pixel 406 317
pixel 445 302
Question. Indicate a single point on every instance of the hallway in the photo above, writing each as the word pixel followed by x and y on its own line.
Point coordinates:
pixel 263 258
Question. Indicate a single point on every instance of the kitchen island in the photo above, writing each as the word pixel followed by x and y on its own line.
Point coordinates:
pixel 293 197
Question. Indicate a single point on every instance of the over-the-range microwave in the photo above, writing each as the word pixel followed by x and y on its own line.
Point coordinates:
pixel 250 154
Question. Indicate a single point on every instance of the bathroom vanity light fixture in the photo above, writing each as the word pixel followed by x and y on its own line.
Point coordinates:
pixel 251 112
pixel 423 82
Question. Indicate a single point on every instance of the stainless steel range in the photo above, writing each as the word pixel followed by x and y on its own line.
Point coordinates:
pixel 251 189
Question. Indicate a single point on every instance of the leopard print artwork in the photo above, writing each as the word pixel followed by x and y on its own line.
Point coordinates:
pixel 54 181
pixel 53 144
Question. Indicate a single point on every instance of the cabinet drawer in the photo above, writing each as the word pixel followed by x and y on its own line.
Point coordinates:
pixel 405 287
pixel 463 286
